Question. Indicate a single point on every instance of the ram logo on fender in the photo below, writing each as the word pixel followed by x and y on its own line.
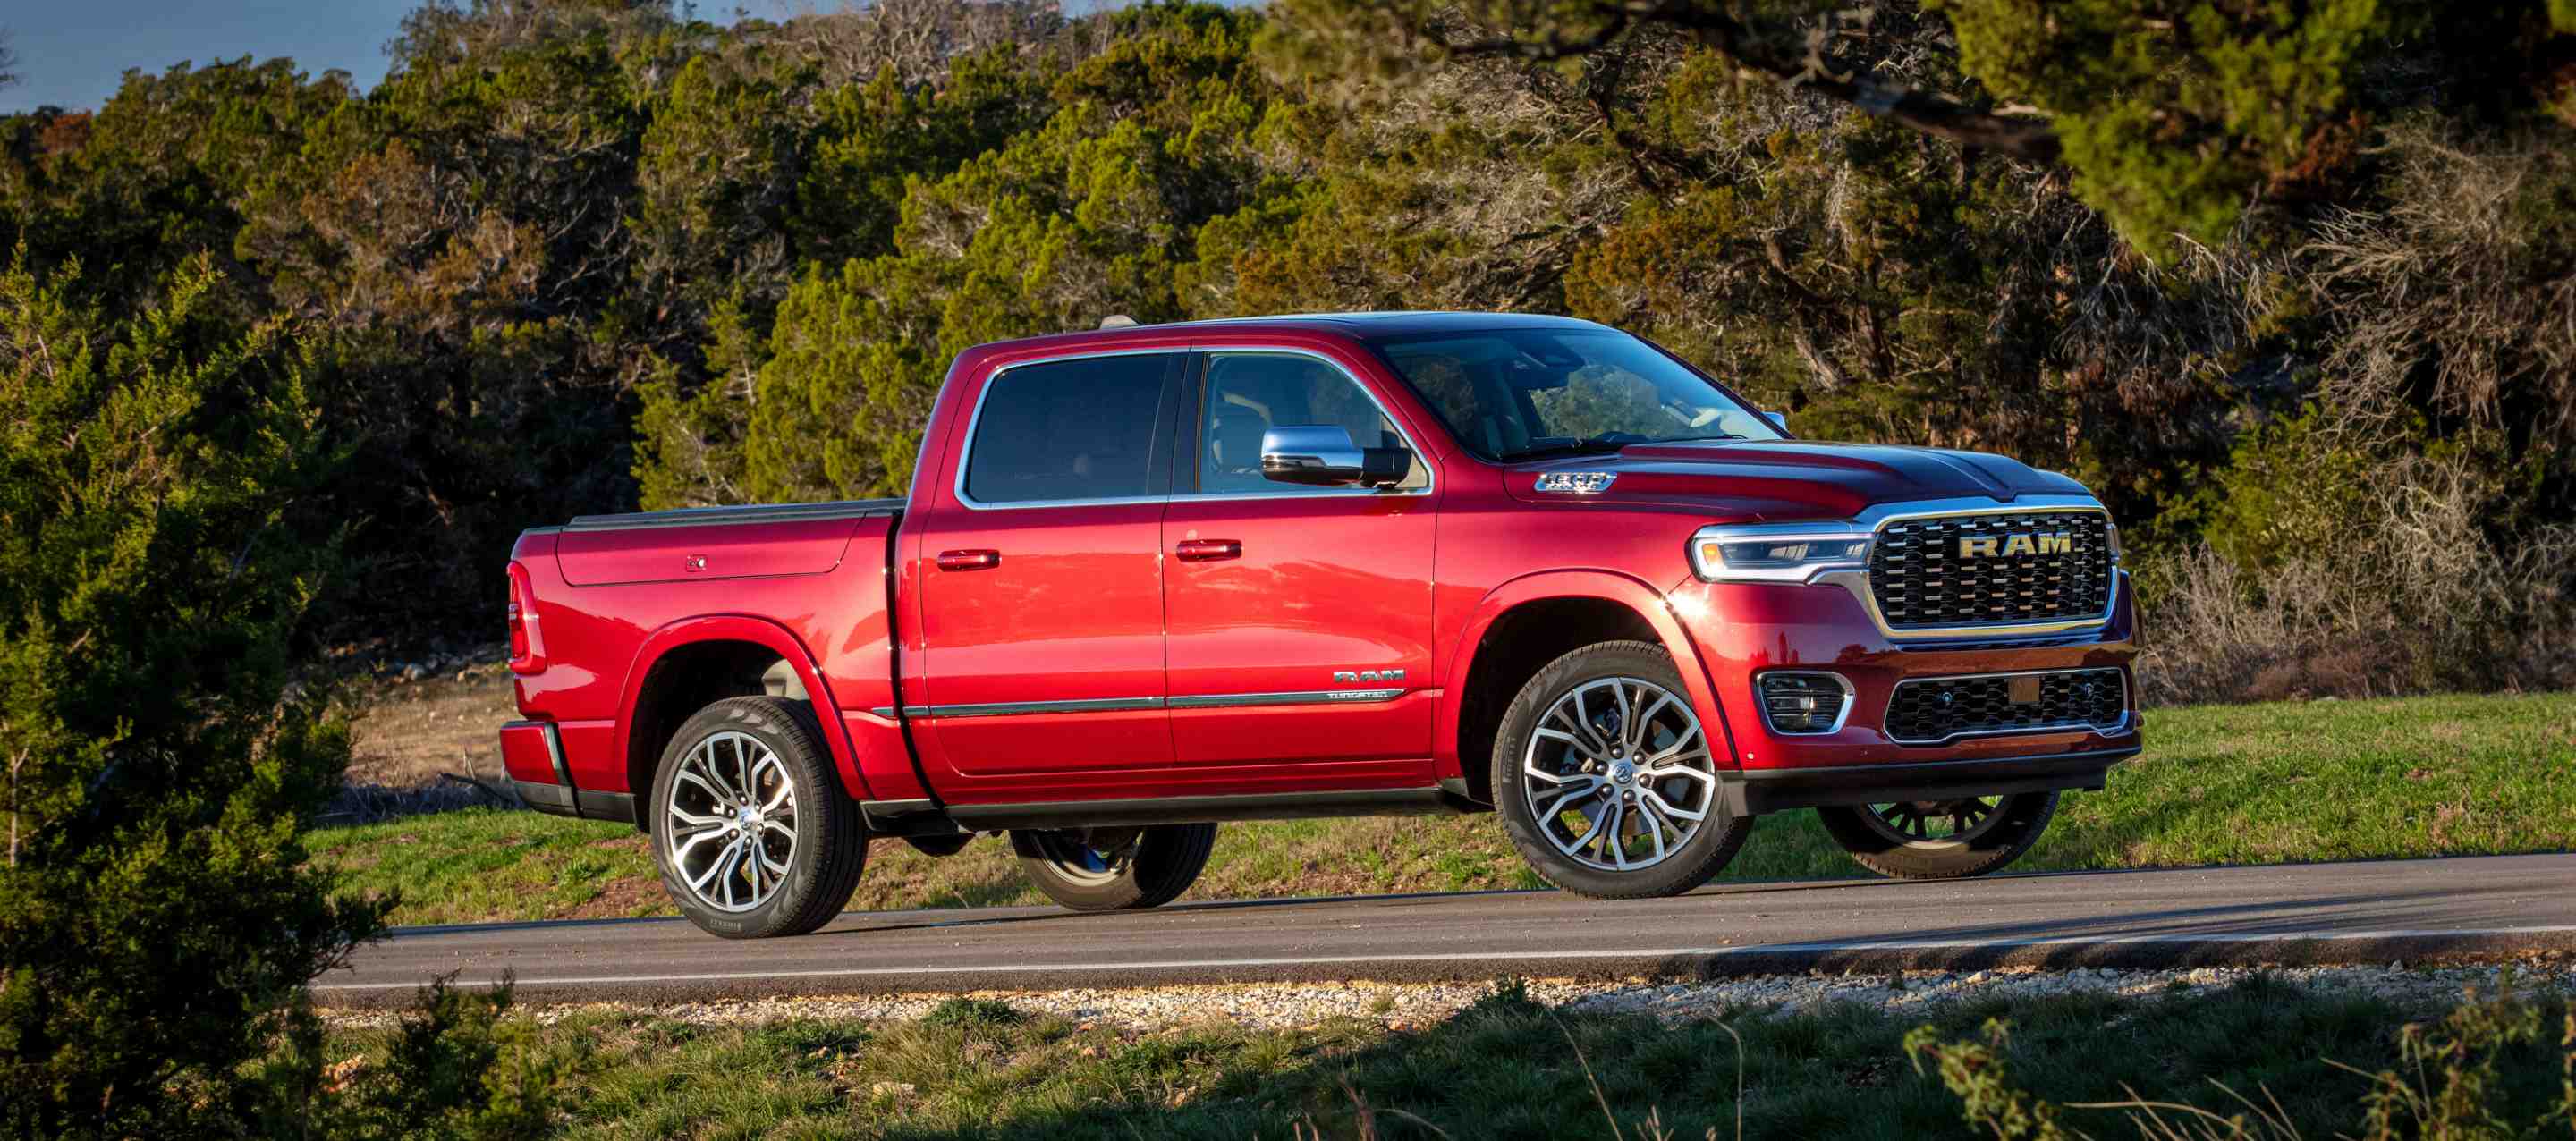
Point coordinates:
pixel 2017 543
pixel 1355 677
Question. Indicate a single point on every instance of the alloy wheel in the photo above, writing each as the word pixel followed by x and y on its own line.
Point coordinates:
pixel 729 830
pixel 1090 855
pixel 1957 821
pixel 1618 774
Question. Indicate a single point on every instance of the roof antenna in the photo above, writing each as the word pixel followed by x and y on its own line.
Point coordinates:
pixel 1117 321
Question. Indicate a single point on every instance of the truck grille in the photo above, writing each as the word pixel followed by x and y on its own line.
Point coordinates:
pixel 1933 710
pixel 2002 569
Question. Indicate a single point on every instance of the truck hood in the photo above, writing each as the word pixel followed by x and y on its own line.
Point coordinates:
pixel 1754 481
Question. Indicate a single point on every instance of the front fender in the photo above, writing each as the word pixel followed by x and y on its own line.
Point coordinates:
pixel 1611 586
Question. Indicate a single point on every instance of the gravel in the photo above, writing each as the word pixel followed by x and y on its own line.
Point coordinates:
pixel 1404 1006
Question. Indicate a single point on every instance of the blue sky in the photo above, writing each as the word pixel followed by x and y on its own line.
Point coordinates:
pixel 71 52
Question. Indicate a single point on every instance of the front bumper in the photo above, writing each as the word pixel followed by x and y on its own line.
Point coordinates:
pixel 1751 792
pixel 1744 630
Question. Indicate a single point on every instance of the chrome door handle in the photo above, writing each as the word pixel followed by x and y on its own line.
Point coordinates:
pixel 1208 550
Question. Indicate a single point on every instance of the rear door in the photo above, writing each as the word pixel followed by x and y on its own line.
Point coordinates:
pixel 1298 619
pixel 1042 591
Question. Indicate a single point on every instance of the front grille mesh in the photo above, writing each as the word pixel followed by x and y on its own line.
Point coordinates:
pixel 1922 579
pixel 1934 710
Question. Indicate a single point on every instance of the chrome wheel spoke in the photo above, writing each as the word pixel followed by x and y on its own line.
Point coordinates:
pixel 1671 809
pixel 1685 772
pixel 1571 742
pixel 1559 778
pixel 695 839
pixel 1655 825
pixel 1645 723
pixel 716 794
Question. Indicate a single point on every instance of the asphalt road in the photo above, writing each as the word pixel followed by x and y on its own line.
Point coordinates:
pixel 2317 913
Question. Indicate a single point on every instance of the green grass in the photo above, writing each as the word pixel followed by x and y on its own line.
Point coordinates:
pixel 2218 785
pixel 1502 1069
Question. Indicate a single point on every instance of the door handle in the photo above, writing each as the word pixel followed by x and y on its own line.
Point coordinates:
pixel 969 560
pixel 1208 550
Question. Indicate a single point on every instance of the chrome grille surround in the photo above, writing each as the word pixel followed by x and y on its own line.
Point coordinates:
pixel 1922 578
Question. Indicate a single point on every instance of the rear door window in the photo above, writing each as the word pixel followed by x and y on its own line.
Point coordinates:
pixel 1072 430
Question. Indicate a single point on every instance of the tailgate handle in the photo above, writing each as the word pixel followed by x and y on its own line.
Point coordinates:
pixel 969 560
pixel 1208 550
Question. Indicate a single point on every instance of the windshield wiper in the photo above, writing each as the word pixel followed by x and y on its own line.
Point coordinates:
pixel 1602 445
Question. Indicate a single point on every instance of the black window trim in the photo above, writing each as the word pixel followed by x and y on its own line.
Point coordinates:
pixel 1157 469
pixel 1185 453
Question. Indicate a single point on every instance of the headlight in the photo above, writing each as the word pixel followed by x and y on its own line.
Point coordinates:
pixel 1772 553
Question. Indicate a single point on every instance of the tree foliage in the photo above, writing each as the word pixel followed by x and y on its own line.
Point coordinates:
pixel 156 554
pixel 576 255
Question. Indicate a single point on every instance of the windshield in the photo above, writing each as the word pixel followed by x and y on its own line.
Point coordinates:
pixel 1516 394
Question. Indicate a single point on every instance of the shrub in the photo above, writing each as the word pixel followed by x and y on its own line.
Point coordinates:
pixel 156 915
pixel 454 1067
pixel 2392 583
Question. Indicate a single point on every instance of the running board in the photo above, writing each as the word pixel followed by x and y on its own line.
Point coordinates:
pixel 1188 809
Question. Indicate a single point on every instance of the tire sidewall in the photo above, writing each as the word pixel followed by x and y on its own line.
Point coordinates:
pixel 1164 853
pixel 774 724
pixel 1699 858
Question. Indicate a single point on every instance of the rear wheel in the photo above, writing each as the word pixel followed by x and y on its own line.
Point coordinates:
pixel 1114 869
pixel 1605 780
pixel 1941 839
pixel 750 827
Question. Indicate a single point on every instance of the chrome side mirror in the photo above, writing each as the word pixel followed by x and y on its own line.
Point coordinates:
pixel 1778 420
pixel 1324 456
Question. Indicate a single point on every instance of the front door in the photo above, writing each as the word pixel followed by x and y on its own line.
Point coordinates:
pixel 1042 597
pixel 1297 619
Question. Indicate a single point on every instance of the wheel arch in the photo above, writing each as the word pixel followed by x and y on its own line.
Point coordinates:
pixel 689 663
pixel 1521 626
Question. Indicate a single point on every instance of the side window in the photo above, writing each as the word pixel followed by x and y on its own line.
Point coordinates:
pixel 1076 429
pixel 1249 393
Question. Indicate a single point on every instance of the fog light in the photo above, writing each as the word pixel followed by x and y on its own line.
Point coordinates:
pixel 1803 703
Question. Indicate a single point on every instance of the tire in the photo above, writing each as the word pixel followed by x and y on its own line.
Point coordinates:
pixel 698 811
pixel 1886 839
pixel 1115 869
pixel 1572 764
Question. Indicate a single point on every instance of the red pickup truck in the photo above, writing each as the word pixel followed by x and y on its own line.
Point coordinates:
pixel 1154 578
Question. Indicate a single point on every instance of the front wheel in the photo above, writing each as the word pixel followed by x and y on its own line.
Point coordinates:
pixel 1114 869
pixel 1605 780
pixel 1941 839
pixel 750 827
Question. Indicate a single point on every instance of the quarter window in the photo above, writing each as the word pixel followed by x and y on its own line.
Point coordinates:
pixel 1249 393
pixel 1072 429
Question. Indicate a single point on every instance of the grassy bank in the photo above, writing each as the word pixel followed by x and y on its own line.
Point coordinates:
pixel 1504 1068
pixel 2219 784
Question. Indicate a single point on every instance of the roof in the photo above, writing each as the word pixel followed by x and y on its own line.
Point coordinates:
pixel 1396 323
pixel 1365 326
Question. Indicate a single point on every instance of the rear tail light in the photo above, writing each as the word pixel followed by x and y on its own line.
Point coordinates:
pixel 525 648
pixel 1804 703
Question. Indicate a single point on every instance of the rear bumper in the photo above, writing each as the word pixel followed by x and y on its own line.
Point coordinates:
pixel 532 753
pixel 1754 791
